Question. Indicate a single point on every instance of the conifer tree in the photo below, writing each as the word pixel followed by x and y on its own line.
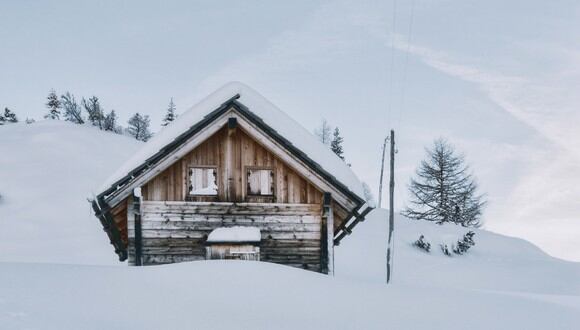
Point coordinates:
pixel 94 110
pixel 53 105
pixel 139 127
pixel 443 190
pixel 170 115
pixel 9 116
pixel 336 144
pixel 72 110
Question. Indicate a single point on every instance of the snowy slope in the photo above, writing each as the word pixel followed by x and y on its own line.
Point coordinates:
pixel 496 262
pixel 252 295
pixel 47 170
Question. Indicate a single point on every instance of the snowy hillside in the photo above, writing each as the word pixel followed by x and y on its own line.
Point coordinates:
pixel 47 171
pixel 496 262
pixel 254 295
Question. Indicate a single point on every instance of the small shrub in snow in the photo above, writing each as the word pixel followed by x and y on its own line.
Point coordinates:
pixel 422 244
pixel 465 243
pixel 445 249
pixel 8 117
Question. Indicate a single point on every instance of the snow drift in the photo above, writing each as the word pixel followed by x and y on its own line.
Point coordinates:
pixel 47 170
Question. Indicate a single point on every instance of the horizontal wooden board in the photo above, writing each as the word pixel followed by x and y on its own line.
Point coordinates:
pixel 231 219
pixel 167 259
pixel 208 226
pixel 229 208
pixel 179 233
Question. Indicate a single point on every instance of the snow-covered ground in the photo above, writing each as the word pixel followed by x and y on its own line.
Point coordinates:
pixel 47 230
pixel 47 171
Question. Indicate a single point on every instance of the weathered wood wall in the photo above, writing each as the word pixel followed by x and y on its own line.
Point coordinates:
pixel 176 231
pixel 232 152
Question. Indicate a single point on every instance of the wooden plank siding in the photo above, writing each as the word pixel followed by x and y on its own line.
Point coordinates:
pixel 176 231
pixel 232 152
pixel 175 225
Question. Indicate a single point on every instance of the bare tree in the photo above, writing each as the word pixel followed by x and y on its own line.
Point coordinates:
pixel 139 127
pixel 324 132
pixel 72 110
pixel 110 123
pixel 444 190
pixel 95 111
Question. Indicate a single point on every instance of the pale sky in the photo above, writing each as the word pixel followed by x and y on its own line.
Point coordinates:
pixel 499 79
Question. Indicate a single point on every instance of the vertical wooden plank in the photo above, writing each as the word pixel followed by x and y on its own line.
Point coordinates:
pixel 327 236
pixel 237 165
pixel 303 191
pixel 222 172
pixel 330 240
pixel 131 231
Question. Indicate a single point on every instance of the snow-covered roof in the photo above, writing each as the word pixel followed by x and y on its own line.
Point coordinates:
pixel 259 106
pixel 234 234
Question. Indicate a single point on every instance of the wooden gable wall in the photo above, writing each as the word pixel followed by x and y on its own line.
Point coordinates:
pixel 231 151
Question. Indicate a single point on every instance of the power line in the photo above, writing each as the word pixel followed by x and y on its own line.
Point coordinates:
pixel 391 69
pixel 405 66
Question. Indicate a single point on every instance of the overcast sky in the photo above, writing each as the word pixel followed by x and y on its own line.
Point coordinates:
pixel 499 79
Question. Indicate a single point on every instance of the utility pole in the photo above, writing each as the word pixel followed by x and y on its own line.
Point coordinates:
pixel 390 245
pixel 382 170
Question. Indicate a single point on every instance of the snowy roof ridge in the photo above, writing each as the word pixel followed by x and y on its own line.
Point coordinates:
pixel 278 120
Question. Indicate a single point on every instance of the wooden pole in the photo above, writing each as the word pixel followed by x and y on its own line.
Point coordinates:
pixel 382 170
pixel 327 236
pixel 390 245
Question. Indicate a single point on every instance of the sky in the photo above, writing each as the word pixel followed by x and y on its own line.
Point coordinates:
pixel 498 79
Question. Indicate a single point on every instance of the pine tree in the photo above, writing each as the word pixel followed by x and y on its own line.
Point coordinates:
pixel 9 116
pixel 139 127
pixel 323 132
pixel 170 115
pixel 72 110
pixel 110 122
pixel 93 108
pixel 53 104
pixel 336 144
pixel 443 190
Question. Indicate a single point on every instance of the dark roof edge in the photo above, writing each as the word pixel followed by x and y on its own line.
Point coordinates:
pixel 103 212
pixel 346 228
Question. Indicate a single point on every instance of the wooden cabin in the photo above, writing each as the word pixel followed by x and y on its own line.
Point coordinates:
pixel 232 161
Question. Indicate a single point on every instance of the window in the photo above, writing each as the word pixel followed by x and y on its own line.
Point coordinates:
pixel 260 182
pixel 203 181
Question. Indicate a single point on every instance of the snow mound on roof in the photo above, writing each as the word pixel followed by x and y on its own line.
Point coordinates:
pixel 234 234
pixel 260 106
